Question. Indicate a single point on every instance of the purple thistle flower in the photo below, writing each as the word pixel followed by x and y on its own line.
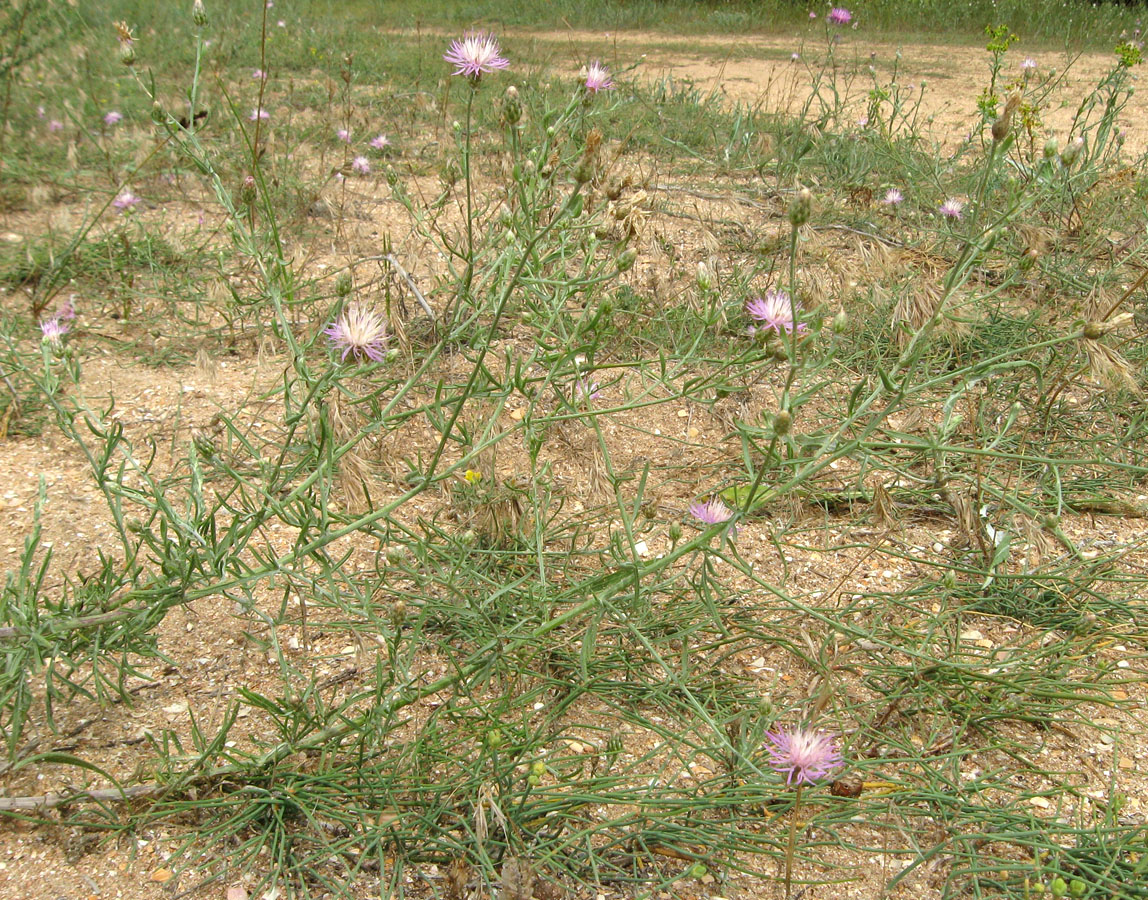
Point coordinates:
pixel 586 390
pixel 380 142
pixel 802 755
pixel 839 15
pixel 281 23
pixel 259 113
pixel 53 330
pixel 361 165
pixel 711 512
pixel 598 78
pixel 66 310
pixel 475 54
pixel 812 14
pixel 113 117
pixel 893 197
pixel 344 135
pixel 795 56
pixel 55 125
pixel 258 74
pixel 125 200
pixel 1029 65
pixel 775 312
pixel 360 331
pixel 952 208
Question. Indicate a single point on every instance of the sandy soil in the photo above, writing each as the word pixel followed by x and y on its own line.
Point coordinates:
pixel 760 71
pixel 209 655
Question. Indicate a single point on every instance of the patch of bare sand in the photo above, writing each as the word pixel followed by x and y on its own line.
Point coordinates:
pixel 760 70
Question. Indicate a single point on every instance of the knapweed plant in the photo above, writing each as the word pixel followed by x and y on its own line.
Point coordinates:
pixel 474 452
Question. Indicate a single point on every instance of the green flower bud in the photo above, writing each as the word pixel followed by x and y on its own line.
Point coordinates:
pixel 1076 887
pixel 801 208
pixel 782 422
pixel 247 191
pixel 511 107
pixel 198 14
pixel 626 259
pixel 840 322
pixel 538 767
pixel 1051 148
pixel 1072 152
pixel 705 277
pixel 344 284
pixel 494 738
pixel 698 870
pixel 1059 887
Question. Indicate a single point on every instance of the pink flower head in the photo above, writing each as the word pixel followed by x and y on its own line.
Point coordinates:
pixel 361 165
pixel 258 74
pixel 380 142
pixel 893 197
pixel 795 56
pixel 259 113
pixel 775 312
pixel 712 512
pixel 41 112
pixel 812 14
pixel 952 208
pixel 586 390
pixel 360 331
pixel 598 78
pixel 113 117
pixel 55 125
pixel 802 755
pixel 66 310
pixel 53 330
pixel 476 54
pixel 1029 65
pixel 125 200
pixel 344 135
pixel 839 15
pixel 281 23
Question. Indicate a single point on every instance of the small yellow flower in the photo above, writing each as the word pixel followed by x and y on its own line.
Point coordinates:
pixel 472 477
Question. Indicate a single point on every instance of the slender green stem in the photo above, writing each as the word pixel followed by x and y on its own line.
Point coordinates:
pixel 468 273
pixel 791 846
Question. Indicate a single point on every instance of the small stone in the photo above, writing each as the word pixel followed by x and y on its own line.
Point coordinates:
pixel 683 413
pixel 518 414
pixel 1039 802
pixel 1125 763
pixel 160 875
